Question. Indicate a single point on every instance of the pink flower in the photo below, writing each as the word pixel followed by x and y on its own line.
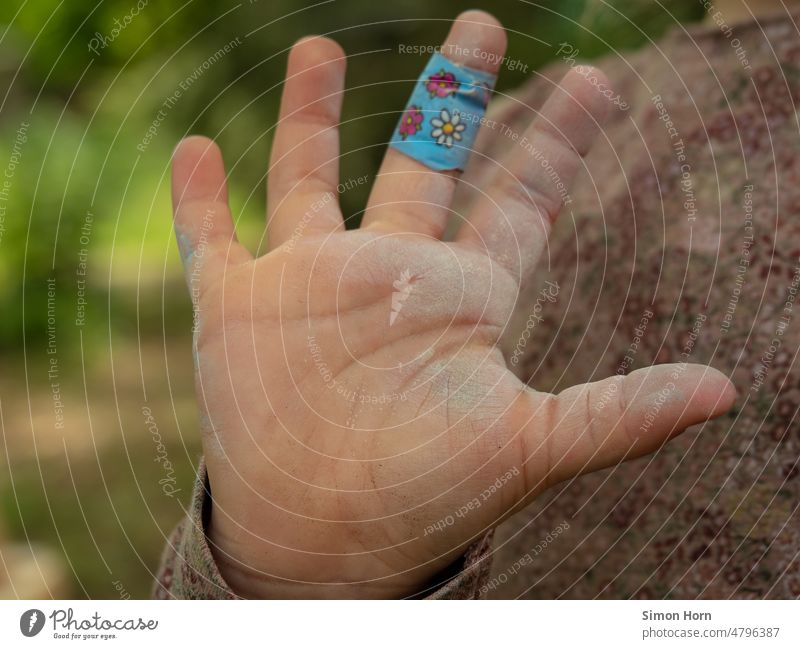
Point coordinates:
pixel 411 122
pixel 441 84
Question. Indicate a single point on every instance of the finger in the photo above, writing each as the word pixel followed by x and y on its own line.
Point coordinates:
pixel 512 220
pixel 600 424
pixel 304 165
pixel 407 195
pixel 203 224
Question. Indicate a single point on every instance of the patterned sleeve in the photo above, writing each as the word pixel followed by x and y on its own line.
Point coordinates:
pixel 188 571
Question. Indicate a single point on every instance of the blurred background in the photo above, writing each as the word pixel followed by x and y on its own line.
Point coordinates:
pixel 97 410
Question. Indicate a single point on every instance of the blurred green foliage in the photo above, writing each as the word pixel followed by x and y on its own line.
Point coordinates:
pixel 87 152
pixel 89 111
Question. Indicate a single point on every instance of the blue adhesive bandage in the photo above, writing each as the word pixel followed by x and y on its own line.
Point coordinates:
pixel 443 115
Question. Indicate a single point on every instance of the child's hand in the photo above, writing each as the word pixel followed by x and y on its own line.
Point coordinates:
pixel 359 423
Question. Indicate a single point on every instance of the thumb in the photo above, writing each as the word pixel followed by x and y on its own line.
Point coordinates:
pixel 596 425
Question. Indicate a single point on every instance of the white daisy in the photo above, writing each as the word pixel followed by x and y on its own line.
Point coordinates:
pixel 447 128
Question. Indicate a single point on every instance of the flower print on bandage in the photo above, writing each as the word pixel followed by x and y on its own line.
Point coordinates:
pixel 441 84
pixel 443 114
pixel 447 128
pixel 411 122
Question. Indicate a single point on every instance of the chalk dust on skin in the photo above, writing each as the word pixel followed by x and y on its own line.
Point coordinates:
pixel 185 248
pixel 456 385
pixel 666 403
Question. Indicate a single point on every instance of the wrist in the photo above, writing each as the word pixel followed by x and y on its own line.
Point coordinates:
pixel 276 579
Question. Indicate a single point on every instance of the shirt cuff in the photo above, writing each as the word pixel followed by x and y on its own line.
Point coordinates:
pixel 187 569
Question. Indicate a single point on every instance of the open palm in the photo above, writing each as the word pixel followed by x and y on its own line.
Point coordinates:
pixel 361 427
